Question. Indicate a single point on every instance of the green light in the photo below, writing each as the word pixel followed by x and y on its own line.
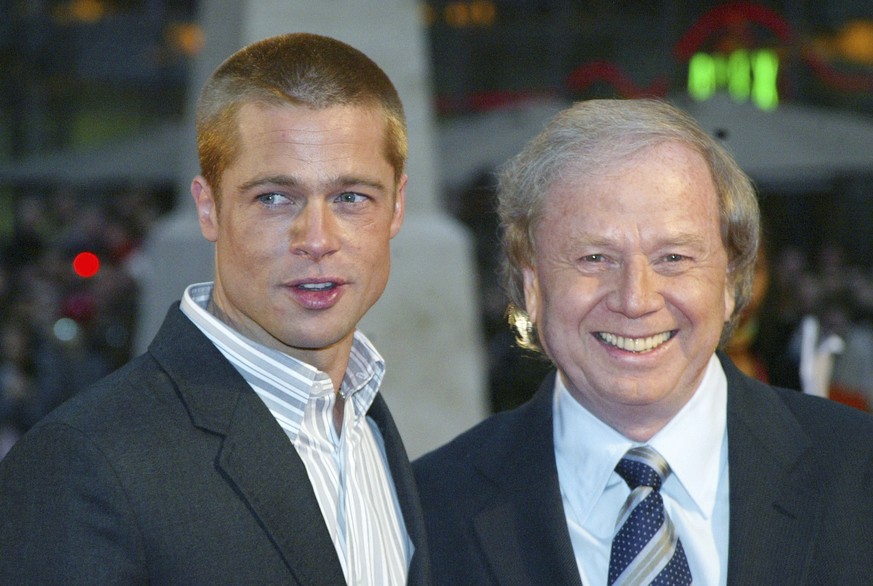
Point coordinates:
pixel 765 91
pixel 746 75
pixel 739 75
pixel 701 76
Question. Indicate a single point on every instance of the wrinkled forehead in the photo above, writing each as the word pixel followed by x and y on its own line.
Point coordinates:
pixel 577 173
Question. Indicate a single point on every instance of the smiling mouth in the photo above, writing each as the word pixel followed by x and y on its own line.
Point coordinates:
pixel 638 345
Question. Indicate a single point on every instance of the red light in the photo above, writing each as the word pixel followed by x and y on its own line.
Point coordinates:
pixel 86 264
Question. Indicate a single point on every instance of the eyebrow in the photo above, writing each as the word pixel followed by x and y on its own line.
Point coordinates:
pixel 291 181
pixel 596 240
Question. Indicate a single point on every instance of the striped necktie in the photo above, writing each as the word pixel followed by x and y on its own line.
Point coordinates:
pixel 646 549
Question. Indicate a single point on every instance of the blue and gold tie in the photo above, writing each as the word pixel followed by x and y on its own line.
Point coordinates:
pixel 646 549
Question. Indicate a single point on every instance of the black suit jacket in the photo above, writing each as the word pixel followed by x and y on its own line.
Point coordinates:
pixel 801 486
pixel 173 471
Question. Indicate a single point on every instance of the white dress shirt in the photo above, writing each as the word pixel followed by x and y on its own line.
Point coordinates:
pixel 348 471
pixel 694 444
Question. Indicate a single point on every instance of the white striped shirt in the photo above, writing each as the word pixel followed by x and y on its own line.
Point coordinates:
pixel 348 471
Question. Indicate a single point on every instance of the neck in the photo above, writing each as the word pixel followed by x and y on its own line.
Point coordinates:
pixel 326 360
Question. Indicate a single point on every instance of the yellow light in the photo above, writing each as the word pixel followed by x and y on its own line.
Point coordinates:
pixel 187 38
pixel 428 14
pixel 855 41
pixel 87 10
pixel 482 12
pixel 457 14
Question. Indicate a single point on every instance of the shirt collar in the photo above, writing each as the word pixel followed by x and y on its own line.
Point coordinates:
pixel 694 441
pixel 361 382
pixel 588 449
pixel 364 374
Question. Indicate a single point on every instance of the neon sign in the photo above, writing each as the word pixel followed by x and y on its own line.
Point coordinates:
pixel 746 75
pixel 749 75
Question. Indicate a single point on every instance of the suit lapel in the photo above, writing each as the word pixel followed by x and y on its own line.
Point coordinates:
pixel 407 491
pixel 774 506
pixel 523 529
pixel 259 461
pixel 255 456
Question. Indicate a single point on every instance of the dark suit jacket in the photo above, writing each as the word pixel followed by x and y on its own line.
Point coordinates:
pixel 173 471
pixel 801 486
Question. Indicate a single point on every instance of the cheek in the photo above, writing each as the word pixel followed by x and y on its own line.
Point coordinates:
pixel 250 250
pixel 378 257
pixel 563 317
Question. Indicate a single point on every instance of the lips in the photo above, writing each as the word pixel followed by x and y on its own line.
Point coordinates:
pixel 637 345
pixel 324 286
pixel 317 294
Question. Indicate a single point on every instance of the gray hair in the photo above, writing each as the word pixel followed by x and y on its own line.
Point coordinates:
pixel 595 135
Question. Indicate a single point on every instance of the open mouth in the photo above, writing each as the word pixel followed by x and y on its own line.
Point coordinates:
pixel 645 344
pixel 327 285
pixel 318 294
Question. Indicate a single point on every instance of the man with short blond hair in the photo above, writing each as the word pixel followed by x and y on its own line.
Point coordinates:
pixel 250 444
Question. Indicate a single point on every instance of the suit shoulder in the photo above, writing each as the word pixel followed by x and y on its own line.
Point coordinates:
pixel 786 412
pixel 819 416
pixel 490 447
pixel 492 431
pixel 111 396
pixel 129 408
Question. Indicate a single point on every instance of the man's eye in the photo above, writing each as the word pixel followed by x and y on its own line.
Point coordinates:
pixel 593 258
pixel 272 199
pixel 350 197
pixel 674 258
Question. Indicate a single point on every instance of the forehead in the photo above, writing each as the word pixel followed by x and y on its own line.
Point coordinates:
pixel 311 139
pixel 269 123
pixel 669 180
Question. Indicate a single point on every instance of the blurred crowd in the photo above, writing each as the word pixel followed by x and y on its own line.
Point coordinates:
pixel 809 327
pixel 59 330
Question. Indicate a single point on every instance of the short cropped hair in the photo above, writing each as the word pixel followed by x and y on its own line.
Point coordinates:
pixel 598 134
pixel 299 69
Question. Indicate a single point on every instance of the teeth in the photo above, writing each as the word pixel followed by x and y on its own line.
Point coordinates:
pixel 635 344
pixel 316 286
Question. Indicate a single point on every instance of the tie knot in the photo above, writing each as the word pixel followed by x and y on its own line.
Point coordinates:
pixel 643 466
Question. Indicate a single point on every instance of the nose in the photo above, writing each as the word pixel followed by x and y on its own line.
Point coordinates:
pixel 635 291
pixel 314 232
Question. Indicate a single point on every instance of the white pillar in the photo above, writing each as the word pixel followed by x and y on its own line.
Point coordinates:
pixel 426 325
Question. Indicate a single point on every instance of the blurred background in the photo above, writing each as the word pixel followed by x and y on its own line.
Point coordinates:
pixel 96 151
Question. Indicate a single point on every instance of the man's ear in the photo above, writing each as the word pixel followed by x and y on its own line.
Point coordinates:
pixel 531 294
pixel 399 207
pixel 207 210
pixel 730 299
